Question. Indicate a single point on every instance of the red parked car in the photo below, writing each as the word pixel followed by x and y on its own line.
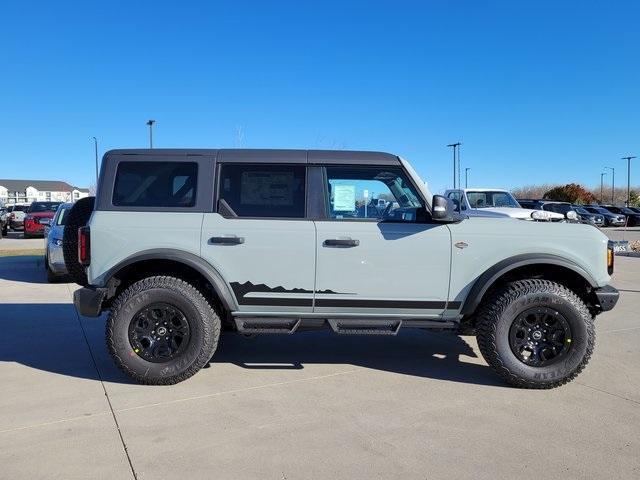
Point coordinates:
pixel 38 215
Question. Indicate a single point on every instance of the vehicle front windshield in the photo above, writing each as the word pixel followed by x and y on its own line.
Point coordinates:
pixel 602 210
pixel 491 199
pixel 580 210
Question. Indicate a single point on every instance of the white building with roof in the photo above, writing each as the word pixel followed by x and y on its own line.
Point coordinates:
pixel 27 191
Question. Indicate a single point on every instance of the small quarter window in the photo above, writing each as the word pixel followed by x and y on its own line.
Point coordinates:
pixel 250 190
pixel 155 184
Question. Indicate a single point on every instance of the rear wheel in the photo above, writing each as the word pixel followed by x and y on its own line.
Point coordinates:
pixel 536 334
pixel 77 217
pixel 162 330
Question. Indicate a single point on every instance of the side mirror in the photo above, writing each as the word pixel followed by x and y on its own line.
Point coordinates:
pixel 441 209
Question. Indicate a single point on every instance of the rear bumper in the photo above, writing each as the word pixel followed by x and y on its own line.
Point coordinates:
pixel 88 301
pixel 607 297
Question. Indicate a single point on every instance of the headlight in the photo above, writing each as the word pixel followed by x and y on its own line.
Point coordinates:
pixel 540 215
pixel 571 215
pixel 58 242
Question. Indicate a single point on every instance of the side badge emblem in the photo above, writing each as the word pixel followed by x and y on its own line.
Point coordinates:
pixel 461 245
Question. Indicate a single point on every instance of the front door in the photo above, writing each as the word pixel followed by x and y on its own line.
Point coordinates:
pixel 375 255
pixel 259 239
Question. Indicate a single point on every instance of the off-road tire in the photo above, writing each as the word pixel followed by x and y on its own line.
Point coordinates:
pixel 77 217
pixel 204 324
pixel 499 311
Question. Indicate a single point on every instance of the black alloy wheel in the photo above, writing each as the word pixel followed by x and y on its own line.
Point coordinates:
pixel 159 332
pixel 540 336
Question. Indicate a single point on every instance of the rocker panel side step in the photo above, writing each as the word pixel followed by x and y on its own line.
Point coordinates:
pixel 267 325
pixel 365 326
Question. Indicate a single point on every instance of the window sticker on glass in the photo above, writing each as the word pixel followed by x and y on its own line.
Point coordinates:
pixel 344 198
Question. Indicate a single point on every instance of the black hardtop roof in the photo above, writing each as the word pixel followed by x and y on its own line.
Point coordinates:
pixel 268 155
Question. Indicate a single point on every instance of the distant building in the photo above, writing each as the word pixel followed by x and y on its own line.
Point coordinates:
pixel 27 191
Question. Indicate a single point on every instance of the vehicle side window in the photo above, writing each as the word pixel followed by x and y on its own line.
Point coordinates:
pixel 377 193
pixel 263 190
pixel 456 197
pixel 155 184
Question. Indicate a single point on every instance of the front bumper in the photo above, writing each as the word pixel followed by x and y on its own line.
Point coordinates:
pixel 607 297
pixel 16 224
pixel 88 301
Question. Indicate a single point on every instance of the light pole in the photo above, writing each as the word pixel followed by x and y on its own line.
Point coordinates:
pixel 455 148
pixel 613 183
pixel 601 177
pixel 466 177
pixel 628 159
pixel 150 123
pixel 95 143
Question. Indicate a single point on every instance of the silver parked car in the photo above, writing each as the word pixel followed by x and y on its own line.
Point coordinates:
pixel 53 257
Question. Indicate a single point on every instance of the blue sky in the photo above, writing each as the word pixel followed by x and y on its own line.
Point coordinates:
pixel 538 92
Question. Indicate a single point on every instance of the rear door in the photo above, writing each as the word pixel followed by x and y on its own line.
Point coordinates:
pixel 258 237
pixel 376 255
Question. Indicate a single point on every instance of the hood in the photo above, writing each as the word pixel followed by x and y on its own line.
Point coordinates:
pixel 521 213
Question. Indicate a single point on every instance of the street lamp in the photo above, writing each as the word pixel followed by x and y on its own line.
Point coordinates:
pixel 455 147
pixel 466 177
pixel 613 183
pixel 601 177
pixel 628 159
pixel 95 143
pixel 150 123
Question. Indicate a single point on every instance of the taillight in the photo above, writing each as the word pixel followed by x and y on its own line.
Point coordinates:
pixel 84 246
pixel 610 257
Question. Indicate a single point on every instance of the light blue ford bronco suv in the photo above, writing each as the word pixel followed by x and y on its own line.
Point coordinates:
pixel 178 245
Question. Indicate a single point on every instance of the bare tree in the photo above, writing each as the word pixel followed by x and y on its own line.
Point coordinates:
pixel 239 136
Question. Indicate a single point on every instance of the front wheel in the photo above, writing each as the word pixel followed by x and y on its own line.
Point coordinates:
pixel 162 330
pixel 536 333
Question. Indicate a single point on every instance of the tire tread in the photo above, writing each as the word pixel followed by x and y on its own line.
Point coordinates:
pixel 211 328
pixel 498 302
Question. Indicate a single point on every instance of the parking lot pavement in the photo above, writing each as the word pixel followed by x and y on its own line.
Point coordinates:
pixel 630 234
pixel 310 405
pixel 16 241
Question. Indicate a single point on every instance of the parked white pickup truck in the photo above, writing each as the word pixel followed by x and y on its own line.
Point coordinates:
pixel 491 202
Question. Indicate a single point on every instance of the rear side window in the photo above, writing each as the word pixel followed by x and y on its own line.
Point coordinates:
pixel 276 191
pixel 155 184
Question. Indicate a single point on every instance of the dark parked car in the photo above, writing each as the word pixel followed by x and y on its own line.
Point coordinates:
pixel 560 207
pixel 593 218
pixel 635 209
pixel 633 218
pixel 530 203
pixel 38 215
pixel 610 219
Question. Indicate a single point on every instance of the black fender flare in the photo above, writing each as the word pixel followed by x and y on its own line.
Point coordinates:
pixel 207 270
pixel 484 281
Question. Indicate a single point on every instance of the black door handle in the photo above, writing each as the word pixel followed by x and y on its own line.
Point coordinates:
pixel 340 242
pixel 226 240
